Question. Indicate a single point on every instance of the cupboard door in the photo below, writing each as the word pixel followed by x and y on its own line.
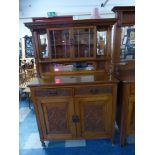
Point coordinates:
pixel 56 118
pixel 60 43
pixel 95 115
pixel 131 115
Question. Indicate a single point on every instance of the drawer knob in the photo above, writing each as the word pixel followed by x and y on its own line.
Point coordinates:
pixel 75 118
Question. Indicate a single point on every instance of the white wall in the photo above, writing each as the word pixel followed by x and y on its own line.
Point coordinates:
pixel 79 9
pixel 22 29
pixel 39 8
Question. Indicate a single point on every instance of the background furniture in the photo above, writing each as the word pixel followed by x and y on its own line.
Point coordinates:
pixel 126 105
pixel 124 69
pixel 74 96
pixel 25 76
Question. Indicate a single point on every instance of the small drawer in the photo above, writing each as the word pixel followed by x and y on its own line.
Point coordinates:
pixel 132 88
pixel 53 92
pixel 93 90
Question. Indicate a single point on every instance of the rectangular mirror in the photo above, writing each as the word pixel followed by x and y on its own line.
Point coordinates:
pixel 101 42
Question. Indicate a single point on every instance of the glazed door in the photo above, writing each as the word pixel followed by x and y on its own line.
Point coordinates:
pixel 95 116
pixel 60 43
pixel 56 118
pixel 72 42
pixel 131 116
pixel 84 42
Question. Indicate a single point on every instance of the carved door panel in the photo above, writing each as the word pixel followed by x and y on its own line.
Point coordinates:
pixel 131 115
pixel 56 118
pixel 95 116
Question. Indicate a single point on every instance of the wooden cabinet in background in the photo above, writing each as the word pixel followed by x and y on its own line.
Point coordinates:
pixel 124 68
pixel 131 115
pixel 126 105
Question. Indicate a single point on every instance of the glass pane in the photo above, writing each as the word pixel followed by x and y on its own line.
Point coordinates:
pixel 84 42
pixel 60 43
pixel 44 46
pixel 128 43
pixel 101 42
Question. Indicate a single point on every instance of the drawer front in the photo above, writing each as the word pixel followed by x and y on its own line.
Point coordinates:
pixel 53 92
pixel 132 88
pixel 93 90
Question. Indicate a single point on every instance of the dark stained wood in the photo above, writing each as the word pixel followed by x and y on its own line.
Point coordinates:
pixel 126 104
pixel 75 23
pixel 125 15
pixel 124 71
pixel 52 19
pixel 93 90
pixel 53 92
pixel 123 8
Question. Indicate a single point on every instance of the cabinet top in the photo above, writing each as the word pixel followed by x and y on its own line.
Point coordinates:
pixel 123 9
pixel 97 78
pixel 71 23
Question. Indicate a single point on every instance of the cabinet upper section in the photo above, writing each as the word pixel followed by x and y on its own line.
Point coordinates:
pixel 72 38
pixel 71 45
pixel 125 15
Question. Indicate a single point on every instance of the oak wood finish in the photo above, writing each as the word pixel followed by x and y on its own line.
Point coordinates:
pixel 77 104
pixel 95 115
pixel 73 114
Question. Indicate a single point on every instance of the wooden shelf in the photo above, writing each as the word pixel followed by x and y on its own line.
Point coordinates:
pixel 73 60
pixel 72 73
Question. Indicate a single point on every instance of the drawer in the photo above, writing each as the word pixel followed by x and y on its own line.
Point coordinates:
pixel 93 90
pixel 53 92
pixel 132 88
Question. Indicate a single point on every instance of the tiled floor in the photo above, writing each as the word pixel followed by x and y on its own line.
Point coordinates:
pixel 30 143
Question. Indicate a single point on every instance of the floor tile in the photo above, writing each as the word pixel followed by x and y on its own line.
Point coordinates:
pixel 23 112
pixel 33 142
pixel 75 143
pixel 30 142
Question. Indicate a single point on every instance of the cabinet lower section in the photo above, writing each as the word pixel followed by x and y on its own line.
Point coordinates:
pixel 74 116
